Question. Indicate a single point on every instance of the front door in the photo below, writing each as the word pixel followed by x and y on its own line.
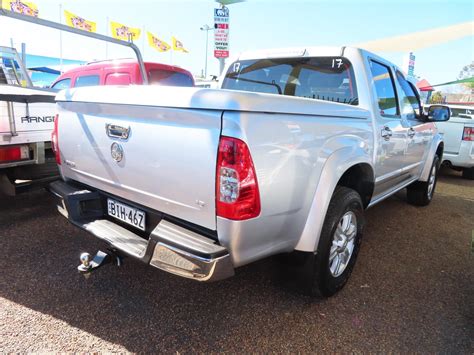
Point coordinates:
pixel 392 130
pixel 420 133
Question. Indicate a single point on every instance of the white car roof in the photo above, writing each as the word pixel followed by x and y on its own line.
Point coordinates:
pixel 290 52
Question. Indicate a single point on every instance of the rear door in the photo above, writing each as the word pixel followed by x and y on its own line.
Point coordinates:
pixel 161 158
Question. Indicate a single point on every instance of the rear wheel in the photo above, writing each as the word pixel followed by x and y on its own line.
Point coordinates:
pixel 468 173
pixel 338 245
pixel 420 193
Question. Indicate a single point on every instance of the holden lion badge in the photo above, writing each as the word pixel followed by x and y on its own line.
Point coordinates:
pixel 116 151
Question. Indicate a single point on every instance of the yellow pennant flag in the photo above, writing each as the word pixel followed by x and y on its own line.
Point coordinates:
pixel 178 45
pixel 123 32
pixel 20 7
pixel 79 23
pixel 158 44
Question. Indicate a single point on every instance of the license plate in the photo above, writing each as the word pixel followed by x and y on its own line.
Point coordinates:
pixel 126 214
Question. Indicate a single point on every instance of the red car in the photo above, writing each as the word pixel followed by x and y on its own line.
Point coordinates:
pixel 122 72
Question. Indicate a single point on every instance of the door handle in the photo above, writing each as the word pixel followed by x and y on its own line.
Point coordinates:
pixel 411 132
pixel 115 131
pixel 386 133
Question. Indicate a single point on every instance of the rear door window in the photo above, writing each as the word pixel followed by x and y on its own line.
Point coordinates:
pixel 169 78
pixel 87 80
pixel 118 79
pixel 322 78
pixel 385 88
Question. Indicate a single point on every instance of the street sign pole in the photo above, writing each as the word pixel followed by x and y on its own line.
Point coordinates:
pixel 221 65
pixel 221 35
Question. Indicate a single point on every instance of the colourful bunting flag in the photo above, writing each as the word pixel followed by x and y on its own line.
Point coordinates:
pixel 158 44
pixel 123 32
pixel 78 22
pixel 178 45
pixel 20 7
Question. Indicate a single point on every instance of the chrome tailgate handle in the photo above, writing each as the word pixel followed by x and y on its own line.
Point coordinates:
pixel 115 131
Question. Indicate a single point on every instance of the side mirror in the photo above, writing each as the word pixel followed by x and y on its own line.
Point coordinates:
pixel 438 113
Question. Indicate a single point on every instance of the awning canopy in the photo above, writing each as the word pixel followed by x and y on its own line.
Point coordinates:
pixel 430 87
pixel 424 85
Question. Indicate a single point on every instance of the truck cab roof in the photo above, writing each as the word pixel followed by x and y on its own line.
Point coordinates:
pixel 123 72
pixel 123 63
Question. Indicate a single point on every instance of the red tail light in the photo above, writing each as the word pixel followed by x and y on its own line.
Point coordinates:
pixel 237 192
pixel 54 140
pixel 15 153
pixel 468 134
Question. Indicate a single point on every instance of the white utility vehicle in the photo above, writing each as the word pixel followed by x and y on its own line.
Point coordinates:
pixel 27 114
pixel 458 135
pixel 285 157
pixel 26 123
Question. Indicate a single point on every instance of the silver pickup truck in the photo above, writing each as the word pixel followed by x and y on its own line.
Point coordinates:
pixel 285 157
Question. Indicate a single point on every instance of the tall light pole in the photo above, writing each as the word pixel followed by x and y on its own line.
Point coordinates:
pixel 206 28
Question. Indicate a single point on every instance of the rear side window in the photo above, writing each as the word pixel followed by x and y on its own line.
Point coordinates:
pixel 323 78
pixel 169 78
pixel 463 112
pixel 118 79
pixel 87 80
pixel 62 84
pixel 385 88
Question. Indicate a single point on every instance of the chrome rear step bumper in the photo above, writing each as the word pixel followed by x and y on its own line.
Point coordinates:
pixel 169 247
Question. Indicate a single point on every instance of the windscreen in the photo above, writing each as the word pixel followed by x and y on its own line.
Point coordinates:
pixel 322 78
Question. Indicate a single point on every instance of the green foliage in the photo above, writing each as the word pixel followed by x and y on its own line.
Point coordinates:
pixel 466 73
pixel 436 98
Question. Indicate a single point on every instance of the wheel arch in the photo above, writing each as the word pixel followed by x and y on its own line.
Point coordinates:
pixel 347 167
pixel 437 148
pixel 361 178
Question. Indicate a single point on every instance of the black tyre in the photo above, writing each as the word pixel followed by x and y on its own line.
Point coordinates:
pixel 339 243
pixel 420 193
pixel 468 173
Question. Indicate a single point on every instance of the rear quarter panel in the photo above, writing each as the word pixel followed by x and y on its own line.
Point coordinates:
pixel 290 153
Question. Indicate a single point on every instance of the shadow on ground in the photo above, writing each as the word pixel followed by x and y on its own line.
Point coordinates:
pixel 411 289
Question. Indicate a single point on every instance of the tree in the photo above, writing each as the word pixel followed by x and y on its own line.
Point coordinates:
pixel 466 73
pixel 436 98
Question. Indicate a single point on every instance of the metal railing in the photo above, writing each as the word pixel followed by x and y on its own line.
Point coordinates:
pixel 61 27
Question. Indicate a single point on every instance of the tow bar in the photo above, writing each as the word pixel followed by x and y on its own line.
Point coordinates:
pixel 89 264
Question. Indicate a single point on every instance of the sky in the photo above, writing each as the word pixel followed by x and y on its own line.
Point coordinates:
pixel 254 24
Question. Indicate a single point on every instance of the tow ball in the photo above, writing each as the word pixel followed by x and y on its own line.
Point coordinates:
pixel 89 264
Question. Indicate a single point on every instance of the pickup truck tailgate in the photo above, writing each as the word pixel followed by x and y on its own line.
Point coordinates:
pixel 453 132
pixel 25 110
pixel 168 160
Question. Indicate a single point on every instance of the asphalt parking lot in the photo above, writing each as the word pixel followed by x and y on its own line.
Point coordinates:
pixel 412 290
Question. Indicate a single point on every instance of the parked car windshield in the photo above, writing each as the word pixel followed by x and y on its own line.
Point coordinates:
pixel 170 78
pixel 322 78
